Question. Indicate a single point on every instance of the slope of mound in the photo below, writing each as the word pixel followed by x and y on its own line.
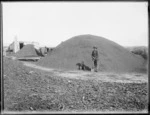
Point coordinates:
pixel 112 57
pixel 26 51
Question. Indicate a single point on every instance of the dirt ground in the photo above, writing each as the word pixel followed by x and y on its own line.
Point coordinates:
pixel 103 76
pixel 32 88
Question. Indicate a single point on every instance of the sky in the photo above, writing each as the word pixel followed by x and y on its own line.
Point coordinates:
pixel 50 23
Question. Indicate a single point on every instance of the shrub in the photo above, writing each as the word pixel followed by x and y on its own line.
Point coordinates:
pixel 141 52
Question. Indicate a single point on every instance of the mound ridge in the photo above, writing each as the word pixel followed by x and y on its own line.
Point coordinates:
pixel 26 51
pixel 112 57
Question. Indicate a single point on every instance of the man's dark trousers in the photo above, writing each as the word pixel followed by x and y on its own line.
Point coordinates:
pixel 95 64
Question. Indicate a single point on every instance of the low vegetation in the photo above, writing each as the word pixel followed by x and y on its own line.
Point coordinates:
pixel 142 51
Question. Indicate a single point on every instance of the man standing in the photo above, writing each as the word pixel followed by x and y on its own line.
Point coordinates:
pixel 95 57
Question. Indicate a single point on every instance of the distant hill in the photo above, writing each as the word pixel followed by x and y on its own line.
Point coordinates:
pixel 132 48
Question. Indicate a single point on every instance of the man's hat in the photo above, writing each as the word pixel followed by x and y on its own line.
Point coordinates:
pixel 95 47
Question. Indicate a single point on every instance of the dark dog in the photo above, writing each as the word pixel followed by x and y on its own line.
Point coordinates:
pixel 82 66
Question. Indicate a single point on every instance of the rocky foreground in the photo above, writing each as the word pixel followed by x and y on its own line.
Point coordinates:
pixel 28 89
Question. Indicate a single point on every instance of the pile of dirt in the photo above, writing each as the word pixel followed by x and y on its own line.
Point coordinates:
pixel 26 51
pixel 112 57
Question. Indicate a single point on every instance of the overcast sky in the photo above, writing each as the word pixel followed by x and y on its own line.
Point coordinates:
pixel 50 23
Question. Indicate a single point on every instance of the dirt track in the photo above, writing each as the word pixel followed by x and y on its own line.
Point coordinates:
pixel 108 77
